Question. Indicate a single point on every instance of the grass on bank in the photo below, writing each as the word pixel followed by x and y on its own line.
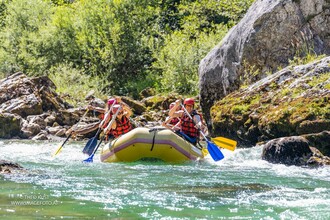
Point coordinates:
pixel 75 86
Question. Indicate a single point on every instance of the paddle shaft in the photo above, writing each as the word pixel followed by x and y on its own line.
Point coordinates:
pixel 67 138
pixel 97 147
pixel 59 149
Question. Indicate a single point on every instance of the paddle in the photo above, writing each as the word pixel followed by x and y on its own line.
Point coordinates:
pixel 90 158
pixel 61 146
pixel 225 143
pixel 91 143
pixel 211 147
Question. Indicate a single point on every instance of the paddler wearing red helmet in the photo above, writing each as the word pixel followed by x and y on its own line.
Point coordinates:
pixel 122 123
pixel 189 128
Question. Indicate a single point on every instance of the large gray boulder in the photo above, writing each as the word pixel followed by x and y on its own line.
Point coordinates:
pixel 271 33
pixel 288 150
pixel 25 96
pixel 321 141
pixel 294 150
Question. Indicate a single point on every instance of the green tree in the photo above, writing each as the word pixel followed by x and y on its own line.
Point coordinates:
pixel 21 26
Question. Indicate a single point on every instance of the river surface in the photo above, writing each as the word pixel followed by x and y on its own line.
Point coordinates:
pixel 241 186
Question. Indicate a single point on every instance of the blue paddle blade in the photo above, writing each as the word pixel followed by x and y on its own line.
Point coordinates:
pixel 90 146
pixel 89 159
pixel 214 151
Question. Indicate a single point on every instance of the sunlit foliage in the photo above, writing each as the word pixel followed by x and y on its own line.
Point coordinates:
pixel 127 45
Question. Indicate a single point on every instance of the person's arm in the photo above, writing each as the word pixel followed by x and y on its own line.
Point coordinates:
pixel 106 119
pixel 173 113
pixel 113 126
pixel 167 120
pixel 197 120
pixel 166 126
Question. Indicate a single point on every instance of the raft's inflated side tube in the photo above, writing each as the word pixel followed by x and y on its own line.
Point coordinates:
pixel 158 143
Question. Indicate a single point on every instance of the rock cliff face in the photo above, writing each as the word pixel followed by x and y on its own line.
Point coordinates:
pixel 271 33
pixel 293 101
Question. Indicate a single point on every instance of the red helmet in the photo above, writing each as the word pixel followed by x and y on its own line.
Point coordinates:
pixel 172 105
pixel 112 101
pixel 189 101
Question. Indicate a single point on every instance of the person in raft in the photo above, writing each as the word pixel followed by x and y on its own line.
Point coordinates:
pixel 104 116
pixel 172 123
pixel 189 128
pixel 121 124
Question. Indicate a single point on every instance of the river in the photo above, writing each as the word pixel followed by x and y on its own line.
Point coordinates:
pixel 241 186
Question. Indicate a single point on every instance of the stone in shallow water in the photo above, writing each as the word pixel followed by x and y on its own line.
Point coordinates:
pixel 8 167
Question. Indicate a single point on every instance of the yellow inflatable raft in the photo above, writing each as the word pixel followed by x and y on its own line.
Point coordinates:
pixel 158 143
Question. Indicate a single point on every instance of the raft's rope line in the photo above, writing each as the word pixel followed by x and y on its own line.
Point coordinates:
pixel 153 140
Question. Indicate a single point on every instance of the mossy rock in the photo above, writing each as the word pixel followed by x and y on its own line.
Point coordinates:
pixel 10 125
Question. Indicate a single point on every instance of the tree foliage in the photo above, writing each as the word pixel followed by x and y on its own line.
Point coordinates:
pixel 126 45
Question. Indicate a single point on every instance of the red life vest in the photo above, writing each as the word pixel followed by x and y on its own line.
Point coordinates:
pixel 123 126
pixel 174 121
pixel 188 125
